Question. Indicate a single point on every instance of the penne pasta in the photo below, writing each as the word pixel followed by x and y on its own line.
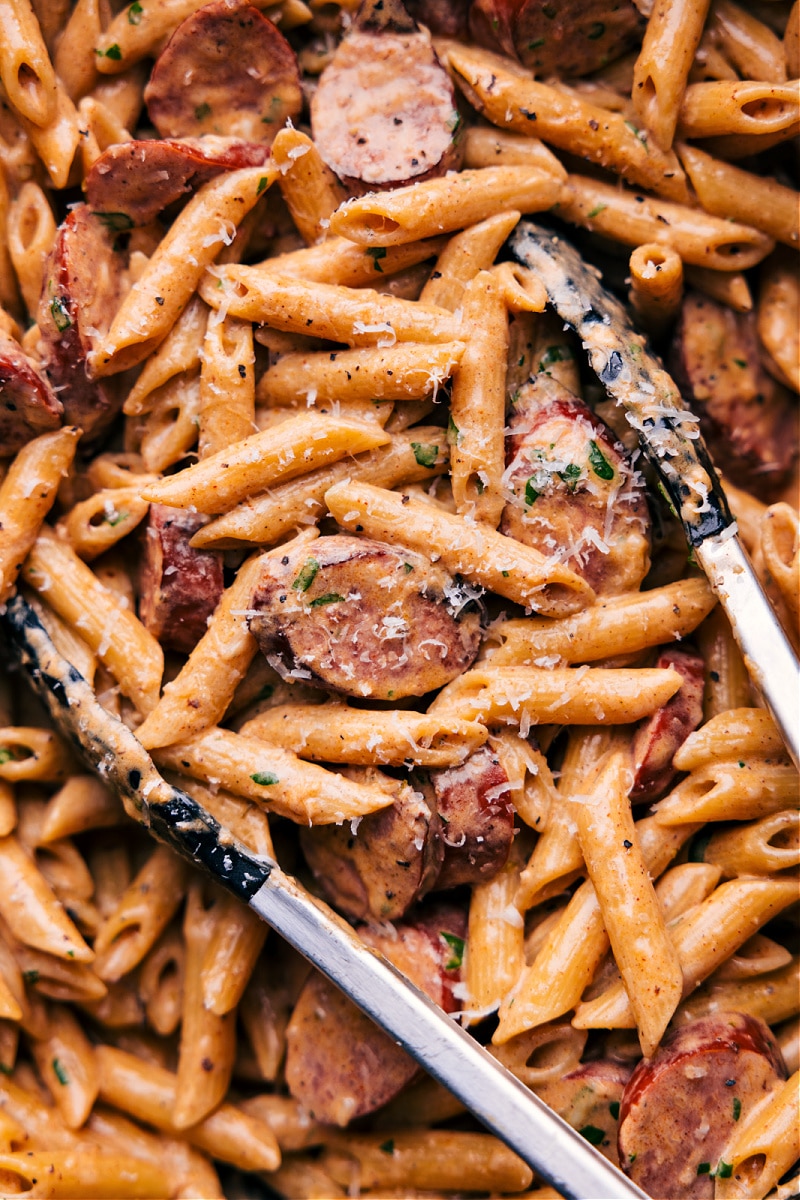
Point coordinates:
pixel 764 1147
pixel 670 42
pixel 729 191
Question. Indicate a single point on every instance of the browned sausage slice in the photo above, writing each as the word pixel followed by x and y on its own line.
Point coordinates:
pixel 565 37
pixel 134 181
pixel 476 819
pixel 85 280
pixel 659 737
pixel 573 491
pixel 747 417
pixel 377 868
pixel 226 70
pixel 384 112
pixel 339 1065
pixel 357 616
pixel 589 1100
pixel 28 405
pixel 179 586
pixel 681 1106
pixel 444 18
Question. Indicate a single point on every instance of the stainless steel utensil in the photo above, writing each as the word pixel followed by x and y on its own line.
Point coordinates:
pixel 550 1147
pixel 670 437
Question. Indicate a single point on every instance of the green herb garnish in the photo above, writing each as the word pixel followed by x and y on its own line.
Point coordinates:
pixel 328 598
pixel 599 463
pixel 456 946
pixel 264 778
pixel 425 454
pixel 307 575
pixel 58 311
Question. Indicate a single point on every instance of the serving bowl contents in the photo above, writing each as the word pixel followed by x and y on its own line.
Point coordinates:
pixel 301 473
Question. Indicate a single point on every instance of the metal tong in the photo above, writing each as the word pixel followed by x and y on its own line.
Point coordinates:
pixel 670 438
pixel 553 1149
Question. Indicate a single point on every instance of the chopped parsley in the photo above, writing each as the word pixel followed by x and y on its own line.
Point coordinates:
pixel 704 1168
pixel 571 474
pixel 599 463
pixel 592 1134
pixel 407 567
pixel 453 122
pixel 328 598
pixel 113 52
pixel 456 946
pixel 453 432
pixel 262 185
pixel 60 1074
pixel 425 453
pixel 202 111
pixel 117 222
pixel 376 253
pixel 31 976
pixel 535 45
pixel 5 755
pixel 58 311
pixel 724 1169
pixel 116 518
pixel 697 850
pixel 737 1108
pixel 741 362
pixel 135 13
pixel 531 494
pixel 306 576
pixel 264 778
pixel 613 1108
pixel 388 1146
pixel 637 133
pixel 554 354
pixel 598 208
pixel 596 32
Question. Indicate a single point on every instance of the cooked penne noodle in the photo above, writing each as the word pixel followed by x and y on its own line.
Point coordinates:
pixel 144 910
pixel 95 525
pixel 443 205
pixel 767 845
pixel 531 787
pixel 160 986
pixel 569 122
pixel 780 551
pixel 713 109
pixel 8 809
pixel 207 1042
pixel 682 887
pixel 26 496
pixel 477 404
pixel 57 141
pixel 65 1060
pixel 275 778
pixel 757 200
pixel 591 696
pixel 339 733
pixel 481 555
pixel 778 318
pixel 727 681
pixel 408 458
pixel 408 371
pixel 26 71
pixel 748 43
pixel 739 790
pixel 355 316
pixel 75 58
pixel 169 431
pixel 540 1056
pixel 125 42
pixel 227 385
pixel 467 253
pixel 179 352
pixel 300 444
pixel 246 821
pixel 147 1092
pixel 343 263
pixel 699 238
pixel 439 1159
pixel 121 642
pixel 616 625
pixel 763 1148
pixel 772 997
pixel 207 223
pixel 671 39
pixel 31 233
pixel 495 953
pixel 729 287
pixel 190 1173
pixel 311 190
pixel 231 952
pixel 9 290
pixel 487 147
pixel 88 1171
pixel 656 285
pixel 748 732
pixel 791 43
pixel 642 948
pixel 30 908
pixel 704 938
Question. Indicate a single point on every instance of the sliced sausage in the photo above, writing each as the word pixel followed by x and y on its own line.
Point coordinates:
pixel 476 819
pixel 134 181
pixel 339 1065
pixel 567 37
pixel 226 70
pixel 747 417
pixel 681 1106
pixel 179 586
pixel 84 283
pixel 659 737
pixel 572 491
pixel 384 112
pixel 357 616
pixel 376 868
pixel 589 1100
pixel 28 404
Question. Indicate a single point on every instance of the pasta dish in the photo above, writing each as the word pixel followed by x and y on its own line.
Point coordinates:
pixel 304 476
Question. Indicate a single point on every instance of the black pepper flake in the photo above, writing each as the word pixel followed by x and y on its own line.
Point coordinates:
pixel 207 1064
pixel 594 124
pixel 627 844
pixel 285 560
pixel 160 300
pixel 242 371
